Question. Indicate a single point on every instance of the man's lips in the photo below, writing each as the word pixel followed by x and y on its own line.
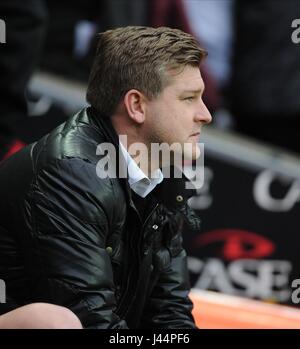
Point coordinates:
pixel 195 134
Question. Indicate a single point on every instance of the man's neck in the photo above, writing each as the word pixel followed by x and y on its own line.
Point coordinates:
pixel 141 155
pixel 130 138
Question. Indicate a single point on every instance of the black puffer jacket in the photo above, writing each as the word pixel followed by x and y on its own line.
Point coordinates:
pixel 70 238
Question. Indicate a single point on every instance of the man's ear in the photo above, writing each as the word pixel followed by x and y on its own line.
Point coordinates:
pixel 134 102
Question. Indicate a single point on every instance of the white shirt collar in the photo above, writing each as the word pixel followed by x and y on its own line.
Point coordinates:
pixel 138 181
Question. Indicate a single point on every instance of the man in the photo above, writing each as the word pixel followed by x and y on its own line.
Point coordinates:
pixel 109 249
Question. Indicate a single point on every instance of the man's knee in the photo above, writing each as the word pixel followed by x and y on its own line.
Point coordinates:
pixel 40 316
pixel 59 317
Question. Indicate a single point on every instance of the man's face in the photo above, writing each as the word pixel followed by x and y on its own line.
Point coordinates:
pixel 178 113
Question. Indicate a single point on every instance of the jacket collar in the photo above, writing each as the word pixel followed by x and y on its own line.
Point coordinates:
pixel 110 135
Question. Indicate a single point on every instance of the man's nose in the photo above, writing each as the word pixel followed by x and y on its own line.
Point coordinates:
pixel 203 115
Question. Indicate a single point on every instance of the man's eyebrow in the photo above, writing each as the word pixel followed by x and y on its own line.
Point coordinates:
pixel 194 91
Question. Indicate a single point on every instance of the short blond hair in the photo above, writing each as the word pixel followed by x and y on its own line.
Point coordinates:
pixel 137 57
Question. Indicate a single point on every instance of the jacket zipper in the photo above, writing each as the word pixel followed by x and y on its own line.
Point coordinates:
pixel 123 306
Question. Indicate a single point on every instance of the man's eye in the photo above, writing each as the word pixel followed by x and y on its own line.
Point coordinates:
pixel 189 98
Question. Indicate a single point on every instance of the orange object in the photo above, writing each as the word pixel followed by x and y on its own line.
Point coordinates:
pixel 214 310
